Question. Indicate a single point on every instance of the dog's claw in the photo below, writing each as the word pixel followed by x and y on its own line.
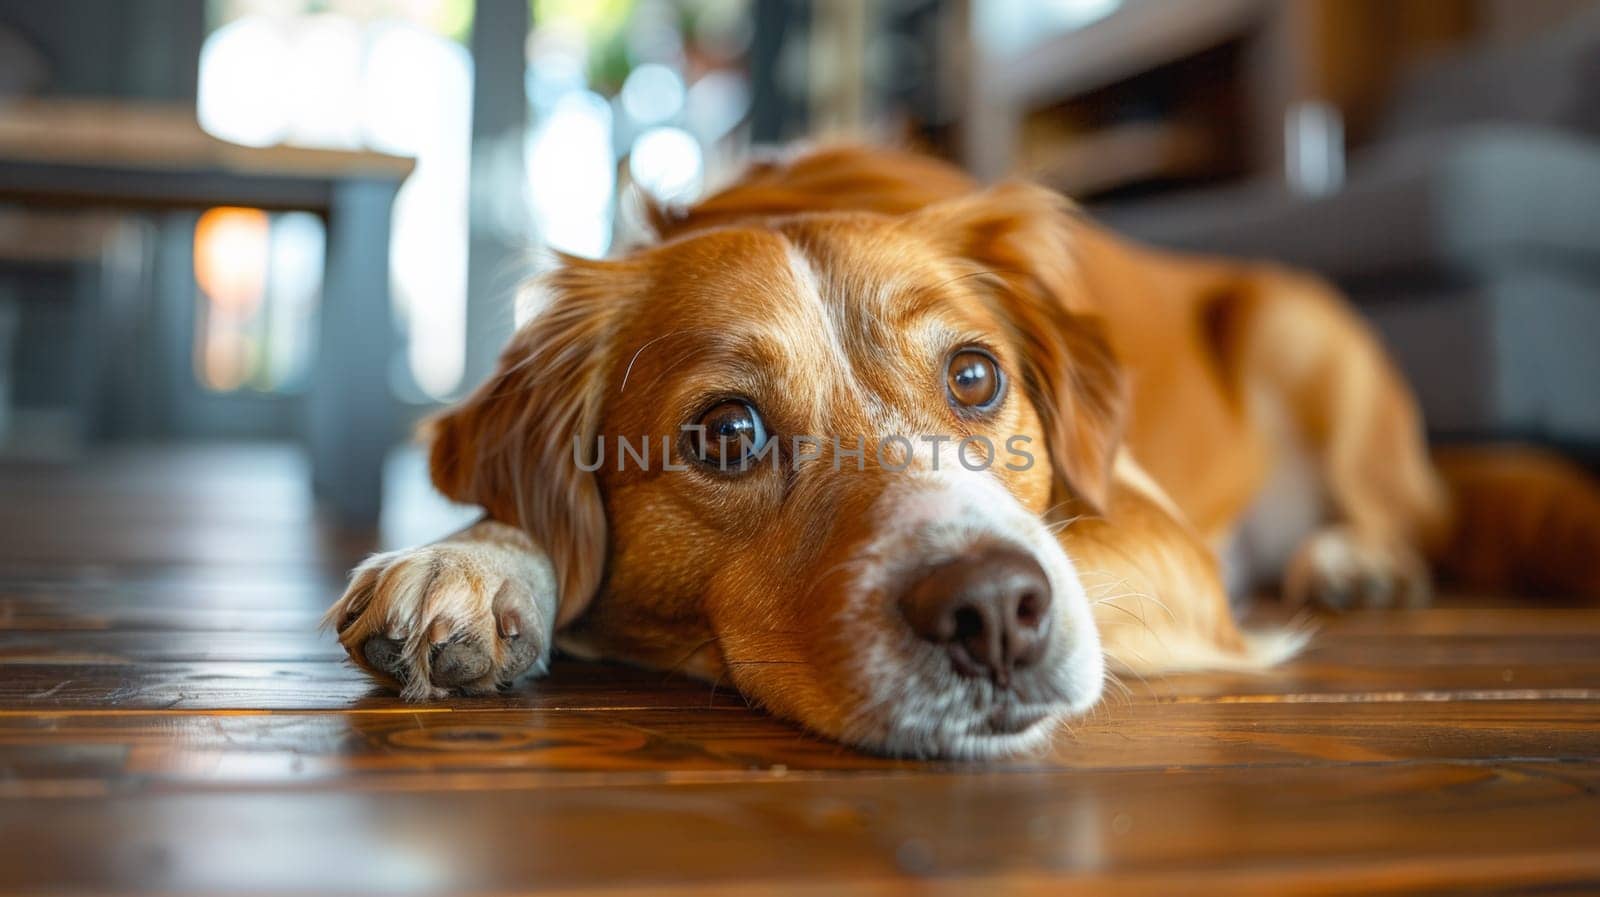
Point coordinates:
pixel 440 632
pixel 510 624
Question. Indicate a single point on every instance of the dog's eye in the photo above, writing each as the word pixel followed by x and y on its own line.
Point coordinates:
pixel 728 435
pixel 973 379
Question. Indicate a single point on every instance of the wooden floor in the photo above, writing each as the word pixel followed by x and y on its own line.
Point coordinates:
pixel 171 720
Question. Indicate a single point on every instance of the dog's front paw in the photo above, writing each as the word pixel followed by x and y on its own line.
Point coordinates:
pixel 454 617
pixel 1339 569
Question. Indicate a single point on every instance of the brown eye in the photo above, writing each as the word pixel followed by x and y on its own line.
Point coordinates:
pixel 728 436
pixel 973 379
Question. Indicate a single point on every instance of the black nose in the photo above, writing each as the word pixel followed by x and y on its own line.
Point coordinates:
pixel 989 609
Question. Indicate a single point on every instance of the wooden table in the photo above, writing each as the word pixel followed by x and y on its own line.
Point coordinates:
pixel 118 156
pixel 171 720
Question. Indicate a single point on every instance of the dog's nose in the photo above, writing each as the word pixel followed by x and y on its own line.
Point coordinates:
pixel 990 610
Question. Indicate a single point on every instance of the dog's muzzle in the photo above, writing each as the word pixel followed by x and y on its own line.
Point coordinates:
pixel 989 609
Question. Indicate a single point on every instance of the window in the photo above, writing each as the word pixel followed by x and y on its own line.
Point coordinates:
pixel 393 76
pixel 652 91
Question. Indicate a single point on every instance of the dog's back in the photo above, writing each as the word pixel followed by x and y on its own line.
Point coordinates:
pixel 1242 371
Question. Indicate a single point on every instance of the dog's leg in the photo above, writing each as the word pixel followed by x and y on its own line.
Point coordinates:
pixel 467 614
pixel 1303 356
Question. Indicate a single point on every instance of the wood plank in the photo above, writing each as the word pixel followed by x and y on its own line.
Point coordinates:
pixel 166 599
pixel 169 508
pixel 170 585
pixel 1571 653
pixel 1540 873
pixel 71 683
pixel 86 646
pixel 1463 615
pixel 321 685
pixel 66 593
pixel 120 542
pixel 389 748
pixel 1041 825
pixel 294 670
pixel 20 614
pixel 171 719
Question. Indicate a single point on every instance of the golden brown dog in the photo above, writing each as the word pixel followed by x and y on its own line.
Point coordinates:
pixel 908 462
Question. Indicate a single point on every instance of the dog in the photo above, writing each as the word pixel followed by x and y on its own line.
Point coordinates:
pixel 856 328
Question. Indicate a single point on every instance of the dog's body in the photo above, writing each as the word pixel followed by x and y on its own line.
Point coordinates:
pixel 1199 422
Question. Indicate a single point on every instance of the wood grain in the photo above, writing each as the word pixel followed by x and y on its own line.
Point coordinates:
pixel 171 720
pixel 399 748
pixel 1055 824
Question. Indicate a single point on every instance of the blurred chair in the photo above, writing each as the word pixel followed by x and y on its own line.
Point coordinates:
pixel 54 286
pixel 1468 230
pixel 45 263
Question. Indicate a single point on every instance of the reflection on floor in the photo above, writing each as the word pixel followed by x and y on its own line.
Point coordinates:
pixel 170 719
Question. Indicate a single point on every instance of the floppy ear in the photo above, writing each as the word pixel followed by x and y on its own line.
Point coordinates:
pixel 1021 237
pixel 511 445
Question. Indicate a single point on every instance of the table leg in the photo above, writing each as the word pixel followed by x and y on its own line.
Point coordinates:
pixel 353 412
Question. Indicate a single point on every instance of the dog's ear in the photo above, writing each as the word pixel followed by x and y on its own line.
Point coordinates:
pixel 512 445
pixel 1020 237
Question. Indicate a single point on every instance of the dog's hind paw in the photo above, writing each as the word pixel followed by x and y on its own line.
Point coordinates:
pixel 463 616
pixel 1339 569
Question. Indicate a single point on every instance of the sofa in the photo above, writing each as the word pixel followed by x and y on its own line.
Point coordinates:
pixel 1467 231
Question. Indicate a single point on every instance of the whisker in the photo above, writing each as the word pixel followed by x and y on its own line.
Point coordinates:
pixel 1136 618
pixel 1055 529
pixel 1117 597
pixel 1143 679
pixel 637 353
pixel 711 700
pixel 1113 681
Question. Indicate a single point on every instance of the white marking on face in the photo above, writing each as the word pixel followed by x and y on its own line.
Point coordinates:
pixel 912 699
pixel 916 702
pixel 810 288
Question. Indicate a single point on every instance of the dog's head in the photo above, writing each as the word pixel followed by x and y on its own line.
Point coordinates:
pixel 833 452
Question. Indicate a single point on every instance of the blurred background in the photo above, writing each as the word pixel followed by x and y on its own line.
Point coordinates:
pixel 299 224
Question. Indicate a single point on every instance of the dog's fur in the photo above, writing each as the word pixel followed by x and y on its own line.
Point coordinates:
pixel 1190 415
